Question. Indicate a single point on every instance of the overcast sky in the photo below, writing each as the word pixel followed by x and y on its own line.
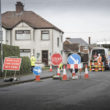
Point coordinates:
pixel 77 18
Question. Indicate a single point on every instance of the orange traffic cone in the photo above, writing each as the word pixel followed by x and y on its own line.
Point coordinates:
pixel 86 75
pixel 37 77
pixel 50 68
pixel 58 71
pixel 64 74
pixel 73 73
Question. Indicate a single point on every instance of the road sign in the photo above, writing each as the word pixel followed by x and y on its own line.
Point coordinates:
pixel 37 70
pixel 56 59
pixel 12 64
pixel 74 59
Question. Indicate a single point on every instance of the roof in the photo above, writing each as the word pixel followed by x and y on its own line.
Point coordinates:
pixel 71 47
pixel 10 19
pixel 78 41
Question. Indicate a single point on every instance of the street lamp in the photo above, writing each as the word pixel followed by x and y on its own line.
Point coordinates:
pixel 1 39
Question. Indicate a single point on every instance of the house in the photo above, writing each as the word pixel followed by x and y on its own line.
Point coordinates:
pixel 32 33
pixel 75 45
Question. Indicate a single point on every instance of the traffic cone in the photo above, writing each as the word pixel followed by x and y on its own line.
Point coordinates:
pixel 86 75
pixel 58 71
pixel 64 74
pixel 50 68
pixel 73 73
pixel 37 77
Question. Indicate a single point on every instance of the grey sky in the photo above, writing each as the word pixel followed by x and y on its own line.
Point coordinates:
pixel 77 18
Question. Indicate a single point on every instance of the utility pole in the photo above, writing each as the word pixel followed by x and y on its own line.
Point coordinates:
pixel 1 39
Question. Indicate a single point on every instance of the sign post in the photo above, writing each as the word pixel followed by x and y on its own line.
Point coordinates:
pixel 11 64
pixel 37 70
pixel 74 61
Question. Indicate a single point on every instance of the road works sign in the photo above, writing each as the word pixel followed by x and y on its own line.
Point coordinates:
pixel 56 59
pixel 74 59
pixel 12 64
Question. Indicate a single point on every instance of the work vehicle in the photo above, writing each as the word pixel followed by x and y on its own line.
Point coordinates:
pixel 93 59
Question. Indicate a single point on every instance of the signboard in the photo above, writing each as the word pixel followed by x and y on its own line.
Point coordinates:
pixel 74 59
pixel 12 64
pixel 37 70
pixel 56 59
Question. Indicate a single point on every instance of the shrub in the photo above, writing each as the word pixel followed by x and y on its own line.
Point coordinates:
pixel 25 65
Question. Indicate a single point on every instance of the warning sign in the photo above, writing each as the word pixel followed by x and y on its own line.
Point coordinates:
pixel 12 64
pixel 56 59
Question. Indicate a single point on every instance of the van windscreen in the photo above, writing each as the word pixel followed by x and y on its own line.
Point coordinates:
pixel 98 51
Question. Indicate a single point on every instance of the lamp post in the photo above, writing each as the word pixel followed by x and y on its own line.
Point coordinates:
pixel 1 39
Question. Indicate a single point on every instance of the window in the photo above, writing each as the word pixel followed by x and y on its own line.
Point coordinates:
pixel 23 35
pixel 45 35
pixel 57 42
pixel 25 52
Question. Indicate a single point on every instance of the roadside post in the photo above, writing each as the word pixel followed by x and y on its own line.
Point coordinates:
pixel 74 61
pixel 56 59
pixel 11 64
pixel 37 71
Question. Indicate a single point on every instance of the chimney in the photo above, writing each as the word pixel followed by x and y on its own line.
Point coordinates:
pixel 19 7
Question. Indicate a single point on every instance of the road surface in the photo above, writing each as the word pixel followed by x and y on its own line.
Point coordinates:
pixel 49 94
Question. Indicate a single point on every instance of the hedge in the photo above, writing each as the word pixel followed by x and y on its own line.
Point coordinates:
pixel 25 65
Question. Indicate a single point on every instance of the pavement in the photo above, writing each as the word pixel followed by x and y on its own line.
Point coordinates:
pixel 28 78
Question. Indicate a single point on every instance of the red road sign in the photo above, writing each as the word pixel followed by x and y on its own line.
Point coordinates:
pixel 12 64
pixel 56 59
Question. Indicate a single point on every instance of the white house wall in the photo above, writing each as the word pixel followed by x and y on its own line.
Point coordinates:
pixel 42 44
pixel 23 44
pixel 4 35
pixel 57 49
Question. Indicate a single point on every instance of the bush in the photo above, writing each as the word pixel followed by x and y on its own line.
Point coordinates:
pixel 25 65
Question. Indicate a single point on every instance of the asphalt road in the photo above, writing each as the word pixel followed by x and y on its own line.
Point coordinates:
pixel 49 94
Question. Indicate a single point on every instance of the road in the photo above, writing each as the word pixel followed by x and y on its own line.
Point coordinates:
pixel 49 94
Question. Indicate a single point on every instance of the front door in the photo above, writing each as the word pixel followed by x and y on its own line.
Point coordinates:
pixel 45 57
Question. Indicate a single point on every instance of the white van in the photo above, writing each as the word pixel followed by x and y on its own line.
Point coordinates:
pixel 103 52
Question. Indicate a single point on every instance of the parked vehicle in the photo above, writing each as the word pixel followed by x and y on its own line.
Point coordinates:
pixel 93 59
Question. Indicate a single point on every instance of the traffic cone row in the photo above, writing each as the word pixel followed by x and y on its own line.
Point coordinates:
pixel 74 76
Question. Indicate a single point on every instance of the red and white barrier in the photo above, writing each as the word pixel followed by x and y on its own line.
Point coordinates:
pixel 74 66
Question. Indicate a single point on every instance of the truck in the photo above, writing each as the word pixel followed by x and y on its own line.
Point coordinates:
pixel 105 62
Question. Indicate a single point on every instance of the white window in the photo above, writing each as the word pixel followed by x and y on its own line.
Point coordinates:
pixel 25 52
pixel 45 35
pixel 23 35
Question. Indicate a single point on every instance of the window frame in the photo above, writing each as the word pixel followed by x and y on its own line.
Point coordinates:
pixel 45 32
pixel 23 33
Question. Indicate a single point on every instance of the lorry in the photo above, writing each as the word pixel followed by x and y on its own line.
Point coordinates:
pixel 105 61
